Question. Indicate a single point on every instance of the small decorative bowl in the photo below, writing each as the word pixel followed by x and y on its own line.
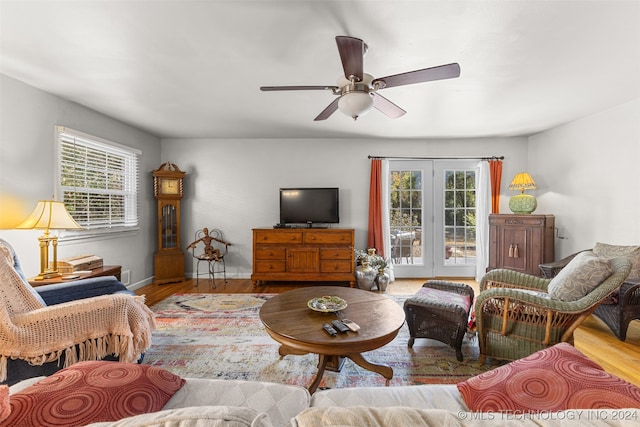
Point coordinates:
pixel 327 304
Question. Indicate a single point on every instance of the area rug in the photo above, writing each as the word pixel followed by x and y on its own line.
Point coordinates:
pixel 221 336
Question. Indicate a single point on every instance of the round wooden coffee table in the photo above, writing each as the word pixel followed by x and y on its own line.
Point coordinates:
pixel 298 329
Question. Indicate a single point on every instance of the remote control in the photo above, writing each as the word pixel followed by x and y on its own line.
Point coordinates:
pixel 341 327
pixel 328 329
pixel 351 325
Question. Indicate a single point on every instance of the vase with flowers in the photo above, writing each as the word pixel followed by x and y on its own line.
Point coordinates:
pixel 370 260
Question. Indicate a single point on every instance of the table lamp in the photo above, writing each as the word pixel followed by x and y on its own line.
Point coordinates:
pixel 522 203
pixel 49 215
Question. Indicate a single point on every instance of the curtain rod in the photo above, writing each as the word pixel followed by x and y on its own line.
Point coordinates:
pixel 436 158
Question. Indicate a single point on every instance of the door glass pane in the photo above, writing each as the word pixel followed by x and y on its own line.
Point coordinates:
pixel 459 217
pixel 406 216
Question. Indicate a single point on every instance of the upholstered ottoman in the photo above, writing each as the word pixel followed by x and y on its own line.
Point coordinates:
pixel 440 311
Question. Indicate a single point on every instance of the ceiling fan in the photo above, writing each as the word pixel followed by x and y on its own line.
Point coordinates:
pixel 358 91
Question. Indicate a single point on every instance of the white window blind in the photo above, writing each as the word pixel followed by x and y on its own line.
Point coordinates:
pixel 97 180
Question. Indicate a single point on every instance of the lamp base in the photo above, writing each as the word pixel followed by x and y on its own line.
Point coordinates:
pixel 47 275
pixel 523 204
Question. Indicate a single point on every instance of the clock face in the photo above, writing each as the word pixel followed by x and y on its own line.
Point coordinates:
pixel 170 186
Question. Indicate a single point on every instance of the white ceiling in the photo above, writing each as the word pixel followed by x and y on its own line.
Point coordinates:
pixel 192 69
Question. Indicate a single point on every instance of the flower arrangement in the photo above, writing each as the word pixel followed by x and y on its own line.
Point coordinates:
pixel 369 256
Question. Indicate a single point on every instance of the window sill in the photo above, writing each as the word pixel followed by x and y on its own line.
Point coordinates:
pixel 70 237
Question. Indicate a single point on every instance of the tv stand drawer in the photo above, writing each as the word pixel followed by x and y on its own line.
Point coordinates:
pixel 336 253
pixel 335 266
pixel 269 267
pixel 328 237
pixel 278 236
pixel 270 253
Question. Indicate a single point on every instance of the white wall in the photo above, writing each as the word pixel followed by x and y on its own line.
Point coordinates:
pixel 27 160
pixel 233 184
pixel 587 171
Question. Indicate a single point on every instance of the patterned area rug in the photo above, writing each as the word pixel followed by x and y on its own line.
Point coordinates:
pixel 221 336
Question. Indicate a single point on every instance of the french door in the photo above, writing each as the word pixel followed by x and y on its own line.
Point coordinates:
pixel 432 212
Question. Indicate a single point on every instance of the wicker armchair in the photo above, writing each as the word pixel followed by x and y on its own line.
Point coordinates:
pixel 617 313
pixel 515 316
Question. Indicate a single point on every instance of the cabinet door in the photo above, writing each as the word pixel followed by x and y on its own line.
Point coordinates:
pixel 168 225
pixel 303 260
pixel 514 248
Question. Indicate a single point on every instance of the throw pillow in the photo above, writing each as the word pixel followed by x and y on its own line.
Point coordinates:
pixel 88 392
pixel 554 379
pixel 611 251
pixel 582 275
pixel 5 409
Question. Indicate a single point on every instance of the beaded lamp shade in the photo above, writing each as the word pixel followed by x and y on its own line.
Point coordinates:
pixel 523 203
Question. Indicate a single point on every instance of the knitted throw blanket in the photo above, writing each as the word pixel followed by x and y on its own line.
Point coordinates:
pixel 86 329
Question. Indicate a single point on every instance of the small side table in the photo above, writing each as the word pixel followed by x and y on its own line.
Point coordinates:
pixel 107 270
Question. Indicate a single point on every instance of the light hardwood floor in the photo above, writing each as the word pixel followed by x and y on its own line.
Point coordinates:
pixel 593 337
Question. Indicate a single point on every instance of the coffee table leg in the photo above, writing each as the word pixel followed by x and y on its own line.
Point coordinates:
pixel 385 371
pixel 322 364
pixel 283 350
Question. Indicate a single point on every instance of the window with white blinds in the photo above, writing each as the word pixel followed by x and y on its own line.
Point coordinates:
pixel 97 180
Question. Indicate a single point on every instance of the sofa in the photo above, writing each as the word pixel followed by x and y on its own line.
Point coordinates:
pixel 555 386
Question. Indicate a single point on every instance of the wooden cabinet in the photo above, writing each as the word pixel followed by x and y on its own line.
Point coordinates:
pixel 319 255
pixel 520 242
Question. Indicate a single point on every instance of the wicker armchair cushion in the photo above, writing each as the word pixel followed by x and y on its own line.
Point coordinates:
pixel 582 275
pixel 437 296
pixel 604 250
pixel 554 379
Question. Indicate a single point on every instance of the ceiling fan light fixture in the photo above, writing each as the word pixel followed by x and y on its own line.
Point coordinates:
pixel 357 90
pixel 355 104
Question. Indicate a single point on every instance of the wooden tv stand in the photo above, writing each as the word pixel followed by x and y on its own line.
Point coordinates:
pixel 303 254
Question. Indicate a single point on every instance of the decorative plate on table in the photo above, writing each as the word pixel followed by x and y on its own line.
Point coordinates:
pixel 327 304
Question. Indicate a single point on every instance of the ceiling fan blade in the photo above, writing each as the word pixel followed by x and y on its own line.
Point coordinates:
pixel 331 108
pixel 440 72
pixel 351 52
pixel 387 107
pixel 276 88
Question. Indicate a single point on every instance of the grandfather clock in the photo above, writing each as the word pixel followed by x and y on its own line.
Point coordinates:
pixel 167 189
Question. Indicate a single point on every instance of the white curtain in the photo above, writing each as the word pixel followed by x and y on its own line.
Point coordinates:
pixel 483 209
pixel 386 224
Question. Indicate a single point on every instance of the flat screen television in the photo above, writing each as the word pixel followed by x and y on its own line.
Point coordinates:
pixel 309 206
